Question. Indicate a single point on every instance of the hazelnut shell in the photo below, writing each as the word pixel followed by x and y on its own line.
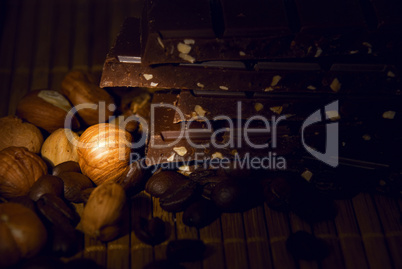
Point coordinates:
pixel 82 88
pixel 104 152
pixel 103 211
pixel 25 227
pixel 42 113
pixel 19 169
pixel 14 132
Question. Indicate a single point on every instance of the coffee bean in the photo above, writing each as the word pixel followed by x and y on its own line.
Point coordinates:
pixel 179 196
pixel 46 184
pixel 185 250
pixel 85 194
pixel 236 195
pixel 234 171
pixel 208 183
pixel 311 205
pixel 305 246
pixel 65 241
pixel 199 175
pixel 25 201
pixel 74 184
pixel 160 183
pixel 207 190
pixel 69 166
pixel 277 193
pixel 57 211
pixel 134 178
pixel 200 213
pixel 153 231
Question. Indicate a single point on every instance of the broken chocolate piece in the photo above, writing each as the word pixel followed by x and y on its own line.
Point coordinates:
pixel 258 76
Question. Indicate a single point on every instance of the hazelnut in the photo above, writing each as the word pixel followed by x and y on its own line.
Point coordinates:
pixel 14 132
pixel 58 148
pixel 103 211
pixel 105 152
pixel 22 234
pixel 46 109
pixel 82 88
pixel 19 169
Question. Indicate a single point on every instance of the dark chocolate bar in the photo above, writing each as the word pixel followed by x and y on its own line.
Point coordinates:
pixel 192 104
pixel 290 107
pixel 329 16
pixel 123 68
pixel 388 13
pixel 363 128
pixel 166 146
pixel 176 32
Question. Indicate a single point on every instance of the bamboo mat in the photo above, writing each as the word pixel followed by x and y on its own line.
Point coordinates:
pixel 43 39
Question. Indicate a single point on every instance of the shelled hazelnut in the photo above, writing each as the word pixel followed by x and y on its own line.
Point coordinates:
pixel 58 148
pixel 105 152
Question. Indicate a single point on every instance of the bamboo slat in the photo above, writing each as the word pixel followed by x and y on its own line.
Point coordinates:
pixel 79 208
pixel 80 55
pixel 297 224
pixel 21 79
pixel 99 36
pixel 119 10
pixel 43 45
pixel 135 8
pixel 62 39
pixel 257 239
pixel 185 232
pixel 234 240
pixel 141 254
pixel 212 237
pixel 7 46
pixel 278 231
pixel 327 232
pixel 388 212
pixel 349 236
pixel 118 250
pixel 96 251
pixel 371 231
pixel 43 39
pixel 160 250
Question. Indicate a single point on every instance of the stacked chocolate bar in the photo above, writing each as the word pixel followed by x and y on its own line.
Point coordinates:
pixel 251 77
